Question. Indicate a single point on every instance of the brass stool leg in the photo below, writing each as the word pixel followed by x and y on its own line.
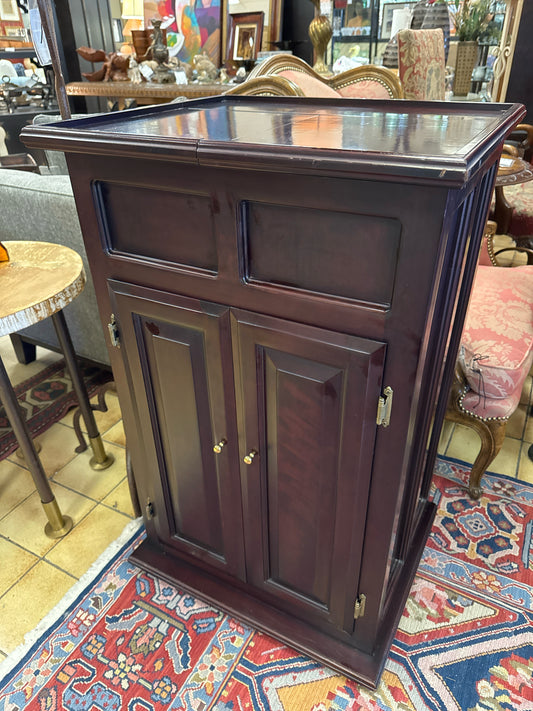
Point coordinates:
pixel 99 460
pixel 58 525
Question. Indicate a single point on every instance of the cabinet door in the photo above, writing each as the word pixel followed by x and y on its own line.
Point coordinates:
pixel 178 358
pixel 307 401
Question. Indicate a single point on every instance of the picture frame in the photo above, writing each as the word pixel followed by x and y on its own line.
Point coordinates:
pixel 9 11
pixel 246 34
pixel 386 16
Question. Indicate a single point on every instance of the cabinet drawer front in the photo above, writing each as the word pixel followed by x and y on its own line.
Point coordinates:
pixel 160 224
pixel 175 361
pixel 321 251
pixel 309 409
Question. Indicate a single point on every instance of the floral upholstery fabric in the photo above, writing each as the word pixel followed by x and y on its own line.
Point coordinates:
pixel 521 199
pixel 421 64
pixel 497 345
pixel 309 85
pixel 365 89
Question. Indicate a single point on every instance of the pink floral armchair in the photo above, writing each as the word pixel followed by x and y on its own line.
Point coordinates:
pixel 421 64
pixel 495 355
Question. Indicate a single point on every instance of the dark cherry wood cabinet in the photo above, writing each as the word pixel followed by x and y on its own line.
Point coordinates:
pixel 285 285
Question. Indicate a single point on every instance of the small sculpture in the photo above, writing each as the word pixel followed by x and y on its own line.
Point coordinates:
pixel 162 74
pixel 134 73
pixel 114 68
pixel 205 68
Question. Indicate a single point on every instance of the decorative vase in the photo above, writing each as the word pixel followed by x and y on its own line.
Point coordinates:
pixel 438 15
pixel 464 66
pixel 320 32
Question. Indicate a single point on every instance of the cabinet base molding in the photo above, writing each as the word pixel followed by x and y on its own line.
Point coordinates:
pixel 332 653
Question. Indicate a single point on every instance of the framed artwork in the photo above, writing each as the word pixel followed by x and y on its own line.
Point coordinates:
pixel 386 18
pixel 245 37
pixel 199 22
pixel 9 11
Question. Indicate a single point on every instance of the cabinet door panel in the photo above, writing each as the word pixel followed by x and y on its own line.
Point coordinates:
pixel 174 355
pixel 309 409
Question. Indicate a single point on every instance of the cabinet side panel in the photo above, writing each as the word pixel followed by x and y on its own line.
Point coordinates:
pixel 185 430
pixel 303 415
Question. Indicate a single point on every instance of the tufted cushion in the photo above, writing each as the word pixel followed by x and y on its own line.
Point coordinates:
pixel 309 85
pixel 521 199
pixel 497 344
pixel 365 89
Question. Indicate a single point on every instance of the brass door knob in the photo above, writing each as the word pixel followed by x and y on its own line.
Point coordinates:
pixel 249 458
pixel 217 448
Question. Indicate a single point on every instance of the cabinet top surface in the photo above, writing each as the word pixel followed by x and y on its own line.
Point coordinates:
pixel 424 133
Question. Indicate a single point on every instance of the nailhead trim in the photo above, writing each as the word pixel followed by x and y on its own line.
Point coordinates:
pixel 473 414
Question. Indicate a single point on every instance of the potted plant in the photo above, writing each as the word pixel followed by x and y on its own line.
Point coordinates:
pixel 470 18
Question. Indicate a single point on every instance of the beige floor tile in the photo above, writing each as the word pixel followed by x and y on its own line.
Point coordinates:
pixel 18 372
pixel 507 460
pixel 528 430
pixel 58 447
pixel 525 397
pixel 2 656
pixel 464 444
pixel 120 499
pixel 16 485
pixel 104 420
pixel 116 435
pixel 15 563
pixel 86 542
pixel 25 604
pixel 525 469
pixel 445 436
pixel 517 422
pixel 79 475
pixel 25 524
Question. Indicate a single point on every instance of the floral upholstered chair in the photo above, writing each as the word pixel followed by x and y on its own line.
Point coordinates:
pixel 495 355
pixel 367 82
pixel 421 64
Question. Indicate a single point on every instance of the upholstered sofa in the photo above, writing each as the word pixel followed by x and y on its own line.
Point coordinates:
pixel 41 207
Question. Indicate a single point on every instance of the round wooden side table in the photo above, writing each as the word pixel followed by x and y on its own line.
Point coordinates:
pixel 37 282
pixel 511 171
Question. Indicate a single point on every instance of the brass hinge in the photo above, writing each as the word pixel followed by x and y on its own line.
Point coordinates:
pixel 150 511
pixel 113 332
pixel 359 607
pixel 384 407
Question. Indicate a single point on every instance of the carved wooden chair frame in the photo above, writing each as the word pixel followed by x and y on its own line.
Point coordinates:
pixel 266 86
pixel 273 66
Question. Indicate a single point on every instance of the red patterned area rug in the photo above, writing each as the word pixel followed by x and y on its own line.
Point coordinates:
pixel 46 398
pixel 127 640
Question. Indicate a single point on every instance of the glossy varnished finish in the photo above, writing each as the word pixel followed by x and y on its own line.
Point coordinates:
pixel 281 264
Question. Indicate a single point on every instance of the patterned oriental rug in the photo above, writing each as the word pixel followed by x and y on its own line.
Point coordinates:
pixel 46 398
pixel 127 640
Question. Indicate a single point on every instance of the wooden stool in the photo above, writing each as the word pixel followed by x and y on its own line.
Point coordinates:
pixel 38 281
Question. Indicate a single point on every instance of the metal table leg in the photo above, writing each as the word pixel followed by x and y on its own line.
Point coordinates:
pixel 58 525
pixel 99 460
